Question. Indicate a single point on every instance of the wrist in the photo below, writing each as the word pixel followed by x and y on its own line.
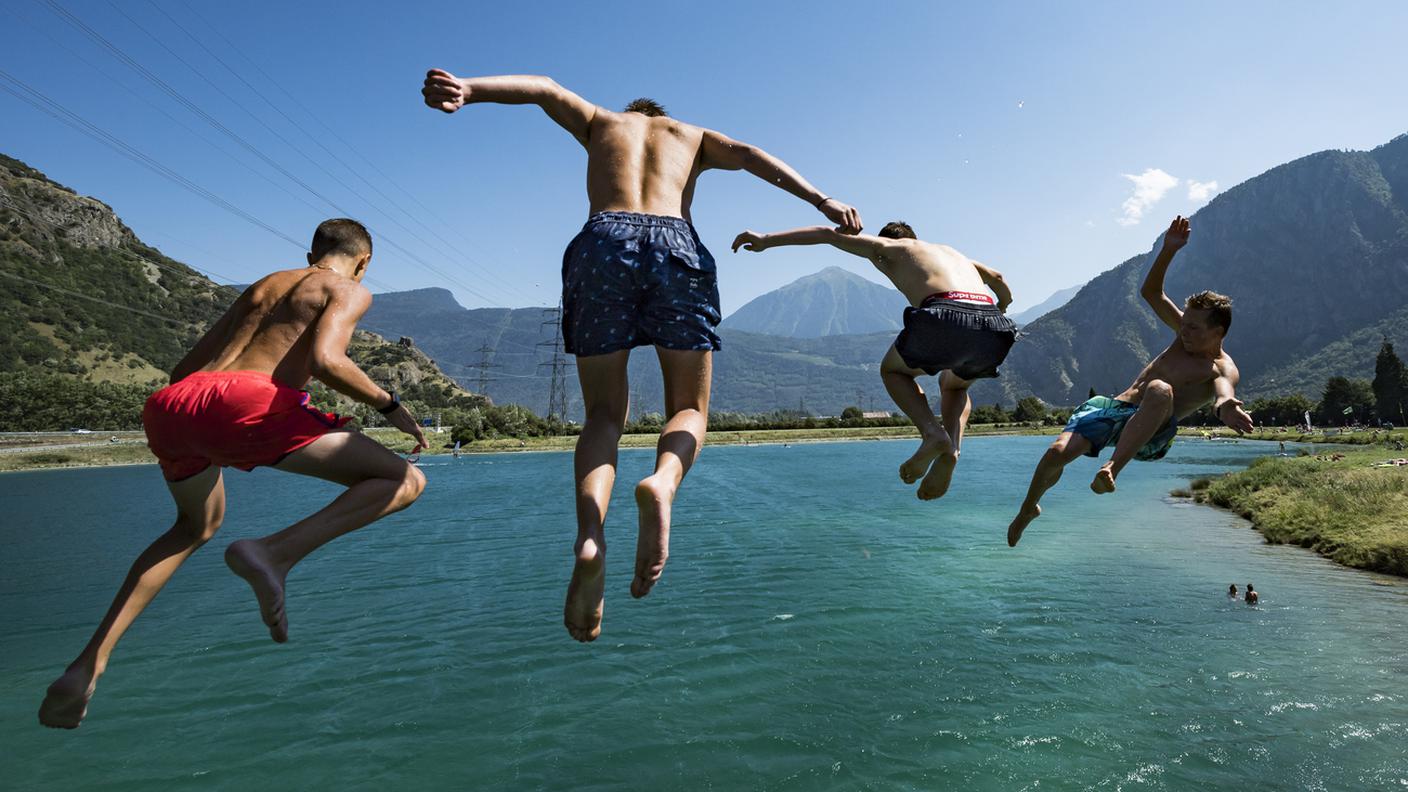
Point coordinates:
pixel 821 202
pixel 391 405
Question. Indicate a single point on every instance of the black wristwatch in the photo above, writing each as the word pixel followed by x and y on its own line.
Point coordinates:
pixel 390 408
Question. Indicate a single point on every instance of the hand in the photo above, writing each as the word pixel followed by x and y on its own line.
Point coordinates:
pixel 1002 305
pixel 846 218
pixel 402 419
pixel 444 91
pixel 1238 419
pixel 749 240
pixel 1177 234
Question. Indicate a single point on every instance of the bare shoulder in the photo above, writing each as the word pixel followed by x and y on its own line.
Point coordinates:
pixel 1226 367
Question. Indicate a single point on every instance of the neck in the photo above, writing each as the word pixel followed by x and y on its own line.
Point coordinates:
pixel 339 264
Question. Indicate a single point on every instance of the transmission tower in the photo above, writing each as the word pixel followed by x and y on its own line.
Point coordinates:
pixel 557 389
pixel 486 353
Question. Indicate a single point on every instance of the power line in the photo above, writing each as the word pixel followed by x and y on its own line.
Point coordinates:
pixel 234 136
pixel 449 247
pixel 44 104
pixel 89 298
pixel 333 133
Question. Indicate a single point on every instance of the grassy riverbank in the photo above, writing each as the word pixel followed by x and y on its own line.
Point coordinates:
pixel 1340 505
pixel 130 447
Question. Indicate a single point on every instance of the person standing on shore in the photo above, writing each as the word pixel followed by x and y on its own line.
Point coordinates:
pixel 1143 420
pixel 636 275
pixel 952 328
pixel 235 401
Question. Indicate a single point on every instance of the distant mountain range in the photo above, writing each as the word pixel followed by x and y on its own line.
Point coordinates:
pixel 831 302
pixel 1314 254
pixel 1044 307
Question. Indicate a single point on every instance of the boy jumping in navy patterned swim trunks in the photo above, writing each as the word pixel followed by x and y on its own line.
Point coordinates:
pixel 1143 420
pixel 952 328
pixel 636 275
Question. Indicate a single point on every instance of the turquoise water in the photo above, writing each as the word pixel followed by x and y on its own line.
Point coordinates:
pixel 817 628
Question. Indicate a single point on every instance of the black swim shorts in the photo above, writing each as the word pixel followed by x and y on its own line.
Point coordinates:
pixel 634 279
pixel 968 338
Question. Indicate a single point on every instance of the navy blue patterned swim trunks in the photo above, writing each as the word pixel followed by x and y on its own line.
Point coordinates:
pixel 634 279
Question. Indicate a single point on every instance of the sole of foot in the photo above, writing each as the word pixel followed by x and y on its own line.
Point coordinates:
pixel 916 466
pixel 1104 482
pixel 586 594
pixel 653 502
pixel 1024 518
pixel 248 559
pixel 66 701
pixel 935 484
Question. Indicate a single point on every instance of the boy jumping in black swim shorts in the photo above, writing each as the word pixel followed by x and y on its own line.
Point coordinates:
pixel 952 326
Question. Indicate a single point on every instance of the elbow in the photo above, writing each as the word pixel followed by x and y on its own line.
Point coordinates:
pixel 322 364
pixel 751 157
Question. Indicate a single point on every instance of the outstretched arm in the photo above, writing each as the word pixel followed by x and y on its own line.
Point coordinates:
pixel 723 152
pixel 446 92
pixel 330 364
pixel 997 283
pixel 1153 289
pixel 862 245
pixel 1225 404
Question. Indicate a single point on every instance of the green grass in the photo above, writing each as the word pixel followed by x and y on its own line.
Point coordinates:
pixel 1344 509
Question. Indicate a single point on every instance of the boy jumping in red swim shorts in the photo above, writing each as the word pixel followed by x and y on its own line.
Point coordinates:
pixel 236 400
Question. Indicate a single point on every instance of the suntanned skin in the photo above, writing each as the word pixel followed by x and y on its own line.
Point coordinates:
pixel 649 165
pixel 918 269
pixel 1193 371
pixel 292 325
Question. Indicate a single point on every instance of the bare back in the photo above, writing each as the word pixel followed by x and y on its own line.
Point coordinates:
pixel 919 269
pixel 268 327
pixel 637 163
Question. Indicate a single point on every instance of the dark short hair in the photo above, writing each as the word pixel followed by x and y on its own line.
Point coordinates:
pixel 897 229
pixel 341 236
pixel 1219 307
pixel 647 107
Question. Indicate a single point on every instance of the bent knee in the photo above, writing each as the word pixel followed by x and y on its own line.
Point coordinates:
pixel 1158 389
pixel 412 485
pixel 199 529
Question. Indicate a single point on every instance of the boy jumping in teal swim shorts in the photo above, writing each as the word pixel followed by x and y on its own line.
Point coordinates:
pixel 1143 420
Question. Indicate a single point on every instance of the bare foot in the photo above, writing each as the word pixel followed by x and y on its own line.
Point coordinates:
pixel 66 701
pixel 1024 518
pixel 248 559
pixel 586 594
pixel 935 484
pixel 653 501
pixel 930 446
pixel 1104 481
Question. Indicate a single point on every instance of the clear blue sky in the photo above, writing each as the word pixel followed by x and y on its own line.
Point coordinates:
pixel 1007 130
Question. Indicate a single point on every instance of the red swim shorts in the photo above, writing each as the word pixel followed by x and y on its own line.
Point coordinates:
pixel 240 419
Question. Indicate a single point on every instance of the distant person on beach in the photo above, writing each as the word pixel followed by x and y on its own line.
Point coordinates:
pixel 235 400
pixel 952 328
pixel 1252 597
pixel 636 275
pixel 1143 421
pixel 1232 591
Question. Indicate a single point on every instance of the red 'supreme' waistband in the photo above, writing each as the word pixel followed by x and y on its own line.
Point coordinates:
pixel 962 296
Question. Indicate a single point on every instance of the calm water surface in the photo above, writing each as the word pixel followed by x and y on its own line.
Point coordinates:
pixel 817 628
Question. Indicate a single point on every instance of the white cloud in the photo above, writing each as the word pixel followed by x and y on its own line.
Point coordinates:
pixel 1201 191
pixel 1150 187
